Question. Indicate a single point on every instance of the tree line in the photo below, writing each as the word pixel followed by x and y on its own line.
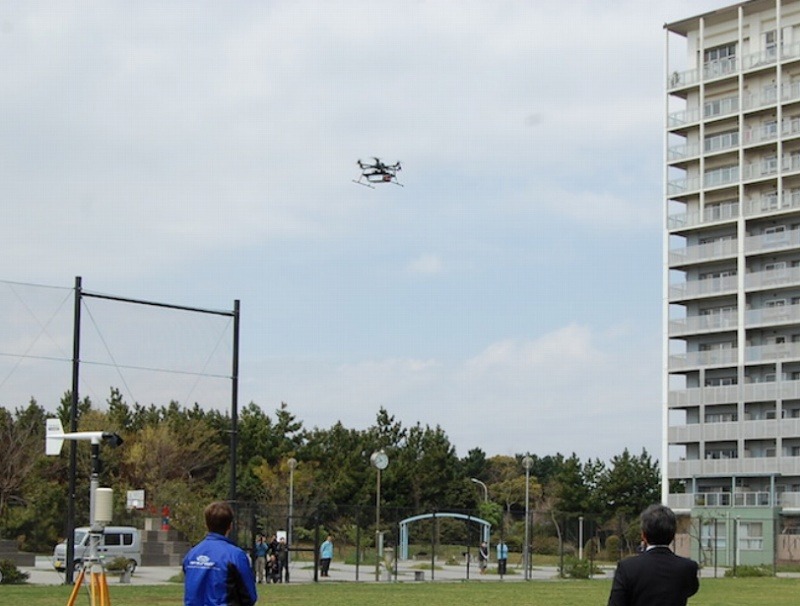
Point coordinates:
pixel 179 455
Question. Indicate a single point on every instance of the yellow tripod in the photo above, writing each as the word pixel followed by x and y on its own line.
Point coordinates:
pixel 98 586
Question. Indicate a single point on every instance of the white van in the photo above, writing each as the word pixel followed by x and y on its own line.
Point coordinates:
pixel 117 542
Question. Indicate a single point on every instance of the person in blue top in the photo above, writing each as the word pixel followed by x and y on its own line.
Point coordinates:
pixel 260 553
pixel 217 572
pixel 502 557
pixel 325 556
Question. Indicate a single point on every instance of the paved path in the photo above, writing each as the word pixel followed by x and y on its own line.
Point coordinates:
pixel 301 572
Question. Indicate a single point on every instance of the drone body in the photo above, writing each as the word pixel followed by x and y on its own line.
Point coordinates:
pixel 377 172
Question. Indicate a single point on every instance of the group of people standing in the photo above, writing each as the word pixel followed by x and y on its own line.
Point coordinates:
pixel 271 559
pixel 216 571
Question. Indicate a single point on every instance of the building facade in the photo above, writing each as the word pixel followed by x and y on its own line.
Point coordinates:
pixel 731 397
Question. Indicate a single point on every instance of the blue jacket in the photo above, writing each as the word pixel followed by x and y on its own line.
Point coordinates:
pixel 218 573
pixel 326 551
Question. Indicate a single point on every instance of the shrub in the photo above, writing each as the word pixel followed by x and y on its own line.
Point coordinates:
pixel 592 548
pixel 11 574
pixel 750 571
pixel 578 569
pixel 612 548
pixel 116 565
pixel 547 546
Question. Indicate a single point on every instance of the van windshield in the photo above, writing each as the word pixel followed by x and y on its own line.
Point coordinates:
pixel 80 536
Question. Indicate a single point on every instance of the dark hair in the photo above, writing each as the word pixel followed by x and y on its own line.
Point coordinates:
pixel 658 525
pixel 219 517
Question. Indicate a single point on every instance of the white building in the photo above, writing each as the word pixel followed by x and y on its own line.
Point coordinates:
pixel 732 281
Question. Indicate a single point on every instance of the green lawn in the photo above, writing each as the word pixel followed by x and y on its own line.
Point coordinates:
pixel 713 592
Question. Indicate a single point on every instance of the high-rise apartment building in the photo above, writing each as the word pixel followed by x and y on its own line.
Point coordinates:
pixel 732 281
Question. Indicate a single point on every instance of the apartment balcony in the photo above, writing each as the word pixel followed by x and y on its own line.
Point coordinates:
pixel 697 359
pixel 789 466
pixel 683 186
pixel 772 278
pixel 695 432
pixel 704 324
pixel 683 151
pixel 771 204
pixel 772 390
pixel 789 499
pixel 712 251
pixel 763 429
pixel 771 352
pixel 687 501
pixel 709 216
pixel 729 66
pixel 766 97
pixel 696 289
pixel 680 501
pixel 683 117
pixel 779 240
pixel 749 392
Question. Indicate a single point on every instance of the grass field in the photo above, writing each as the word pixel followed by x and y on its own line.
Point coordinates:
pixel 713 592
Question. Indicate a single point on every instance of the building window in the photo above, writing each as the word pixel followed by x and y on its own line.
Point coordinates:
pixel 721 141
pixel 712 535
pixel 720 53
pixel 751 536
pixel 771 43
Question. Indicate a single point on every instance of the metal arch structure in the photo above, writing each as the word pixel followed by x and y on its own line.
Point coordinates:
pixel 486 527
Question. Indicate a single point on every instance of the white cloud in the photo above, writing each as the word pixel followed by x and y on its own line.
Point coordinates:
pixel 428 264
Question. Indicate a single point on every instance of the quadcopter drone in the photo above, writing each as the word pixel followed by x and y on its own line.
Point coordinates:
pixel 377 172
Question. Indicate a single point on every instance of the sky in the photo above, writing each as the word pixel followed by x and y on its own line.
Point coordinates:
pixel 197 153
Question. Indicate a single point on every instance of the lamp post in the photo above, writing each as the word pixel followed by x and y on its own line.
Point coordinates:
pixel 527 463
pixel 291 464
pixel 379 461
pixel 485 490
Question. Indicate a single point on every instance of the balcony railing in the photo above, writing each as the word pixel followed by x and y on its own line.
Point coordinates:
pixel 696 359
pixel 772 316
pixel 695 396
pixel 711 214
pixel 684 501
pixel 772 241
pixel 719 249
pixel 707 323
pixel 703 288
pixel 771 279
pixel 772 203
pixel 728 66
pixel 714 467
pixel 772 352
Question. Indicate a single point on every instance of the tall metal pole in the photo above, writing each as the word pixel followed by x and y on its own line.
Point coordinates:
pixel 73 427
pixel 234 412
pixel 292 463
pixel 527 462
pixel 485 489
pixel 377 526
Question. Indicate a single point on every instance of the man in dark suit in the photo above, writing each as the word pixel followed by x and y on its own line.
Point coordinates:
pixel 657 577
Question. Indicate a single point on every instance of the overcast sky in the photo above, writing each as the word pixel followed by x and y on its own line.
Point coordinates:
pixel 201 152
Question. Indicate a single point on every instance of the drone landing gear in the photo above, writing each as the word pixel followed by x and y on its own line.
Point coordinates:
pixel 359 182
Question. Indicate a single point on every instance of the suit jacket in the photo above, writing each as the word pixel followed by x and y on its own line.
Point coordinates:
pixel 657 577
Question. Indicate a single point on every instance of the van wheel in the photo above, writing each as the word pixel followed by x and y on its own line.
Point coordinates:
pixel 78 565
pixel 132 566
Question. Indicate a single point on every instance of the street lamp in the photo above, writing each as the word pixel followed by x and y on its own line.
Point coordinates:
pixel 527 463
pixel 380 462
pixel 291 464
pixel 485 490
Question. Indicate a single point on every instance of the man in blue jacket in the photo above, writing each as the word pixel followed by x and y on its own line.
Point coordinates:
pixel 217 572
